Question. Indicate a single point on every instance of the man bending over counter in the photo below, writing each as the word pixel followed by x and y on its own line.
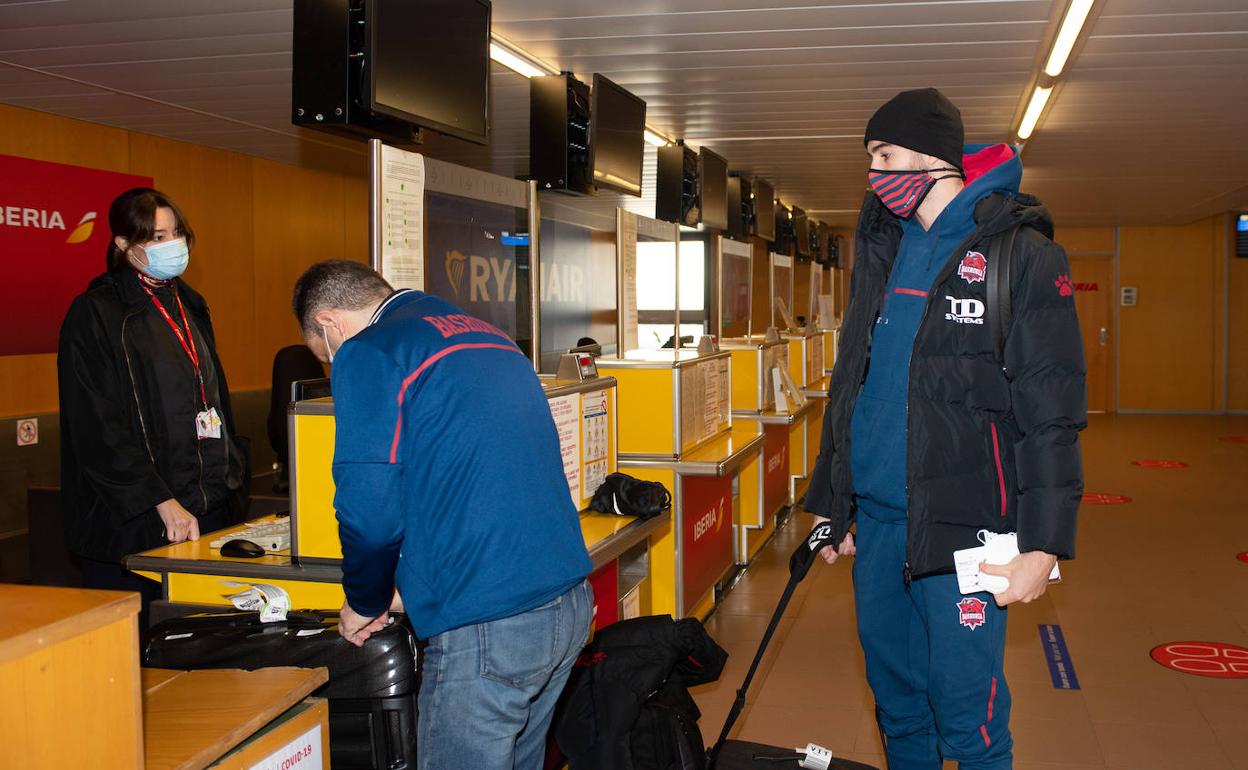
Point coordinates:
pixel 450 486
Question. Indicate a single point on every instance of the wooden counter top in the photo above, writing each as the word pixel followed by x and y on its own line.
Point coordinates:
pixel 36 616
pixel 192 718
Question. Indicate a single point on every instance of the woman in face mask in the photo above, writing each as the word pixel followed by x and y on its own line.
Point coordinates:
pixel 149 455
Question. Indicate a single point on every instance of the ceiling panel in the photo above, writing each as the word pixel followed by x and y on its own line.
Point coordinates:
pixel 782 89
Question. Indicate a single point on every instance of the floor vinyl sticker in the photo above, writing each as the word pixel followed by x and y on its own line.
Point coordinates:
pixel 1061 668
pixel 1215 659
pixel 1100 498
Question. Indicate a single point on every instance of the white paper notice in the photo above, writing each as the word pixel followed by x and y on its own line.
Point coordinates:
pixel 710 406
pixel 725 392
pixel 594 440
pixel 402 218
pixel 628 276
pixel 567 413
pixel 303 753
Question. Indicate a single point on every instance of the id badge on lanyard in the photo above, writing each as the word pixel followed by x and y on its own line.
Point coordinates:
pixel 207 420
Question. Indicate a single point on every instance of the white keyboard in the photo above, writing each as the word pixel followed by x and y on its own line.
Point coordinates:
pixel 269 535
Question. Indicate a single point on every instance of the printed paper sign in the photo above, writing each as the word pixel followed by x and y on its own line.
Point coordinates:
pixel 402 258
pixel 567 413
pixel 303 753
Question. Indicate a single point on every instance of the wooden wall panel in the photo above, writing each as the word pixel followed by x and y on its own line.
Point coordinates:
pixel 1237 338
pixel 1167 342
pixel 213 189
pixel 1085 240
pixel 300 219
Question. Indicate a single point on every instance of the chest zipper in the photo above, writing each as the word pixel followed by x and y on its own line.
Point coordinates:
pixel 134 390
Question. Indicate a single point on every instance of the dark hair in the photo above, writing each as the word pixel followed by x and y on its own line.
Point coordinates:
pixel 132 216
pixel 338 284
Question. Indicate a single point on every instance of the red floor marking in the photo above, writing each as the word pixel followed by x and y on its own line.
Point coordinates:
pixel 1159 463
pixel 1100 498
pixel 1242 556
pixel 1234 439
pixel 1215 659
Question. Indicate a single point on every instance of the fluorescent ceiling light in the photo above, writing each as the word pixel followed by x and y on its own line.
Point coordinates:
pixel 1076 15
pixel 514 61
pixel 1036 106
pixel 655 138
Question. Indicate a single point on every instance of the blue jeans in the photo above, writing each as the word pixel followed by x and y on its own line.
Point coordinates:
pixel 935 660
pixel 488 691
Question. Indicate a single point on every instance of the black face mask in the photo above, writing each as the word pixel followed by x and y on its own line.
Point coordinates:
pixel 903 191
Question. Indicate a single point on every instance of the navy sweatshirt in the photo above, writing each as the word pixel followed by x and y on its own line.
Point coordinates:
pixel 449 479
pixel 878 437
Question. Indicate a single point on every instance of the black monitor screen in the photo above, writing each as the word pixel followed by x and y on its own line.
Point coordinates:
pixel 765 209
pixel 617 125
pixel 714 176
pixel 428 63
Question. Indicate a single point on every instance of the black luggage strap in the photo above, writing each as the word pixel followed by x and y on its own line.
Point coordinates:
pixel 799 564
pixel 1000 312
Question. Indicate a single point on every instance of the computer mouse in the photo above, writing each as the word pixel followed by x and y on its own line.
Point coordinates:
pixel 239 548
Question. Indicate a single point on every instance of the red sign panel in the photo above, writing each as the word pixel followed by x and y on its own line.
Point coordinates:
pixel 1100 498
pixel 1159 463
pixel 775 469
pixel 1215 659
pixel 53 238
pixel 606 584
pixel 707 531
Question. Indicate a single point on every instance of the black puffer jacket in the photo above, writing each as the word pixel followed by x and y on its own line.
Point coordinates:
pixel 128 404
pixel 626 707
pixel 987 448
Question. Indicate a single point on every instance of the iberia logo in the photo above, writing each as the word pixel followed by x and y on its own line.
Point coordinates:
pixel 83 231
pixel 972 612
pixel 974 267
pixel 455 264
pixel 47 219
pixel 1064 286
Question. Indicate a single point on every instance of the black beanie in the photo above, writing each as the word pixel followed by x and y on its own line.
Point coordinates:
pixel 922 120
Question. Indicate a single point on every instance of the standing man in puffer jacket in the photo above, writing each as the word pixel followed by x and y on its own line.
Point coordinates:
pixel 932 437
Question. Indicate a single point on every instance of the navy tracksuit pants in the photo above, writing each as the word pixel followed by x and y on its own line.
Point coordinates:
pixel 934 660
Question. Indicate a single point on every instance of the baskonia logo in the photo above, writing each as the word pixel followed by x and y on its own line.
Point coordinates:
pixel 491 279
pixel 47 219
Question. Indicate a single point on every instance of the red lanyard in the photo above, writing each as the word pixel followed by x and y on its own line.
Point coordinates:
pixel 188 341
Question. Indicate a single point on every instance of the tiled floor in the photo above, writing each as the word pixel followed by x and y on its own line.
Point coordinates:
pixel 1160 569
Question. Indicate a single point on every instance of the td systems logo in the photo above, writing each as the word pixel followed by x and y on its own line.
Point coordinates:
pixel 47 219
pixel 475 278
pixel 965 311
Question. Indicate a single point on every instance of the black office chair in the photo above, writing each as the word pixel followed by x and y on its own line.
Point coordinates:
pixel 291 364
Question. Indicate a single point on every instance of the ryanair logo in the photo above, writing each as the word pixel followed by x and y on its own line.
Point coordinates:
pixel 475 279
pixel 455 263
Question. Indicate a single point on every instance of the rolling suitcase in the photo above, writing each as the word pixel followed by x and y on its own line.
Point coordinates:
pixel 744 755
pixel 371 689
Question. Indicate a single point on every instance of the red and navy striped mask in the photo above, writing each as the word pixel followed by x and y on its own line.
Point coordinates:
pixel 903 191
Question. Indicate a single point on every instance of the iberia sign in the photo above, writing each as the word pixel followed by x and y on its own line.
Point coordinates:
pixel 53 237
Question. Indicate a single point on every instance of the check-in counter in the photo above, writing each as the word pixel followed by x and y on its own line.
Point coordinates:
pixel 754 360
pixel 195 574
pixel 676 429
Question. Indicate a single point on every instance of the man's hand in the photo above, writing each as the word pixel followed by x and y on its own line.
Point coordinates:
pixel 1028 574
pixel 179 523
pixel 356 628
pixel 829 553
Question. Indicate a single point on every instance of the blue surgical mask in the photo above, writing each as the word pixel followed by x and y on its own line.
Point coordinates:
pixel 166 259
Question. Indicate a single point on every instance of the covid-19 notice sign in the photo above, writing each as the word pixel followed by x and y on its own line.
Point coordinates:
pixel 53 240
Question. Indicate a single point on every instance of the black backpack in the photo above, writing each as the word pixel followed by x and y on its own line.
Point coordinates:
pixel 1000 313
